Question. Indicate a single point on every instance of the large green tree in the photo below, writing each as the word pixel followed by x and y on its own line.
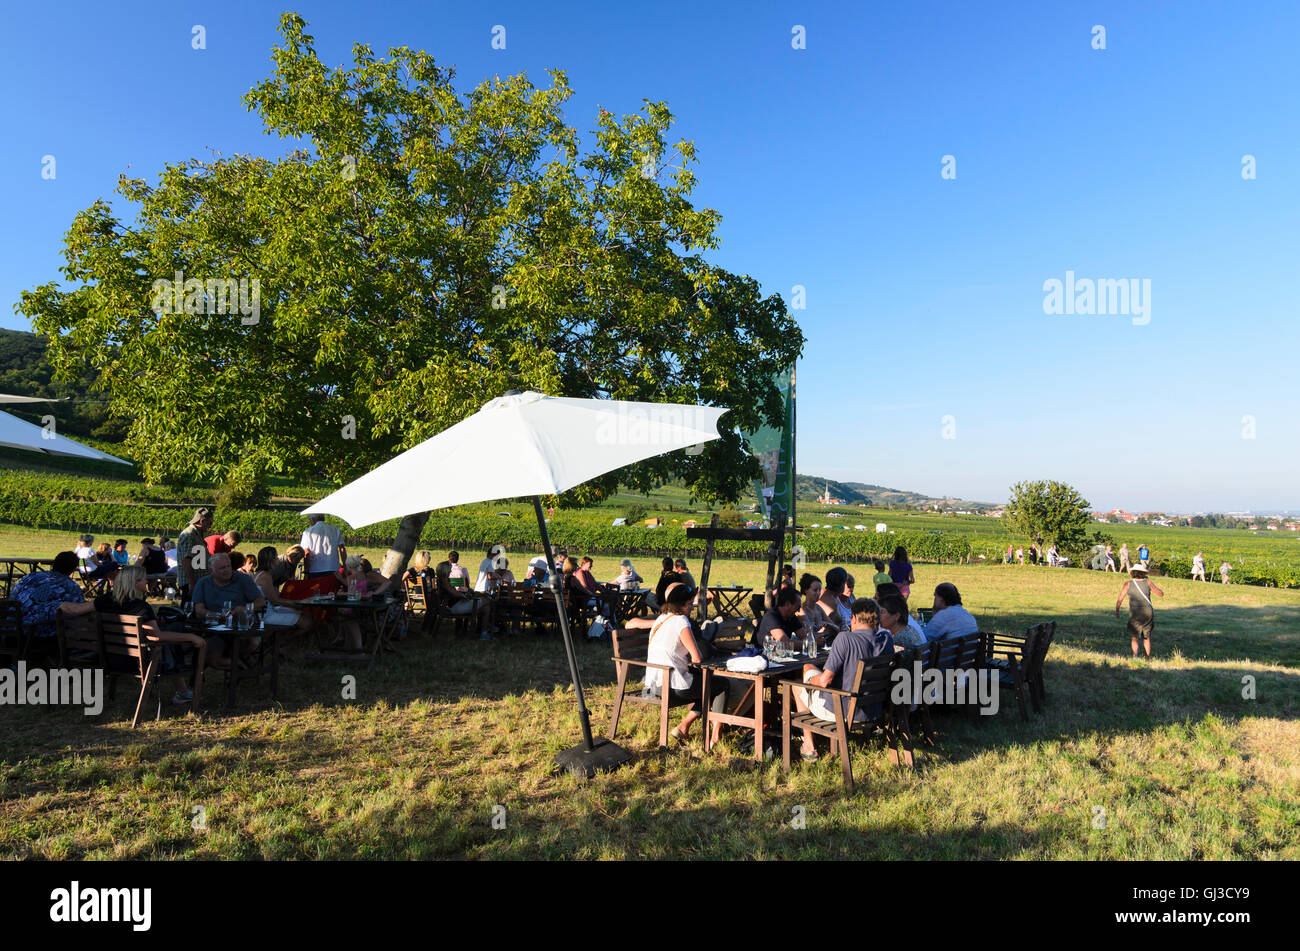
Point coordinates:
pixel 421 250
pixel 1049 511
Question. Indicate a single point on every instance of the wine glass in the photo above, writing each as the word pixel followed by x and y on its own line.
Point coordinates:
pixel 226 611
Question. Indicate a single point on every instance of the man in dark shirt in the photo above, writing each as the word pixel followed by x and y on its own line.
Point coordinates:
pixel 863 642
pixel 779 620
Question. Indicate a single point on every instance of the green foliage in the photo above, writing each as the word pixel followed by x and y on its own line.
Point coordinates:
pixel 427 249
pixel 1052 511
pixel 730 518
pixel 636 514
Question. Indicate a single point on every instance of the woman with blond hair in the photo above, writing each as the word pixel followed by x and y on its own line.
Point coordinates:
pixel 128 597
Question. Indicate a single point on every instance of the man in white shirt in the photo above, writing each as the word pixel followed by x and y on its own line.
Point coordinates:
pixel 486 581
pixel 323 543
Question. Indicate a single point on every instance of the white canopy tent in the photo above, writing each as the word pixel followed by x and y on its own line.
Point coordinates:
pixel 17 433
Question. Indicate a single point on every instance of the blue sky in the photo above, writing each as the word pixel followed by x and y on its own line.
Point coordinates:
pixel 924 295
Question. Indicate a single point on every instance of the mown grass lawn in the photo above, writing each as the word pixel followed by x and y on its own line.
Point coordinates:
pixel 1164 760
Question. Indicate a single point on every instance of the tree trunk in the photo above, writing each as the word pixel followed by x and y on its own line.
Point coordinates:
pixel 408 536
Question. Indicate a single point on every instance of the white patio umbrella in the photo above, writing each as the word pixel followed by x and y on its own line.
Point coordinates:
pixel 19 434
pixel 527 444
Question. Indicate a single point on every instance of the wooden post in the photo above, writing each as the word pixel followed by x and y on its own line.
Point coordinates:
pixel 704 572
pixel 774 551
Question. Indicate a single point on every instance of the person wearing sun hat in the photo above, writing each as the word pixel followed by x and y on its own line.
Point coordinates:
pixel 1141 613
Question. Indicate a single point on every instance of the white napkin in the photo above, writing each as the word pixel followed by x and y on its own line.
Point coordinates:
pixel 748 665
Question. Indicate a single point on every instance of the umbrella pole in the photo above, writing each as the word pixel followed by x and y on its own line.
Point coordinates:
pixel 591 756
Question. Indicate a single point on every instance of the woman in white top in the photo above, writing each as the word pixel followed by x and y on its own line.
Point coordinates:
pixel 672 644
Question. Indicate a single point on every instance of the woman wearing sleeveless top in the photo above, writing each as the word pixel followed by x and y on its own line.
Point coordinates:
pixel 672 644
pixel 1141 613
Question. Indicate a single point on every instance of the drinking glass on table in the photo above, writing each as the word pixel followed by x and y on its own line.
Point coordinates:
pixel 226 611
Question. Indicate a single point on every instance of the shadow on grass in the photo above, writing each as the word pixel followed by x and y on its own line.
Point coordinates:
pixel 1103 695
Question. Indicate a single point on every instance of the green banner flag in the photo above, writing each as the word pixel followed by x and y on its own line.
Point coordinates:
pixel 775 450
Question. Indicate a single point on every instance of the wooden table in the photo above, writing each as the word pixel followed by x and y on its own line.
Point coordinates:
pixel 269 642
pixel 759 684
pixel 727 601
pixel 380 626
pixel 624 604
pixel 13 569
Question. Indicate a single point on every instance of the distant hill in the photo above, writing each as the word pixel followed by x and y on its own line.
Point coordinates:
pixel 25 372
pixel 809 488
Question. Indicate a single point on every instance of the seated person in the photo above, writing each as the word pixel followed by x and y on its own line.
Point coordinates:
pixel 88 557
pixel 457 574
pixel 169 552
pixel 688 579
pixel 779 622
pixel 152 558
pixel 119 553
pixel 250 564
pixel 628 579
pixel 666 578
pixel 354 576
pixel 864 641
pixel 578 594
pixel 837 615
pixel 504 574
pixel 895 619
pixel 458 604
pixel 42 596
pixel 418 568
pixel 213 590
pixel 374 580
pixel 673 644
pixel 950 618
pixel 280 611
pixel 486 580
pixel 811 614
pixel 884 591
pixel 107 563
pixel 587 579
pixel 128 597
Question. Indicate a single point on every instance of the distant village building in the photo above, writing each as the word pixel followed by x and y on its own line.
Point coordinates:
pixel 825 497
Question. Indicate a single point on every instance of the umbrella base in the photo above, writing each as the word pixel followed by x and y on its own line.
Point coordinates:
pixel 604 756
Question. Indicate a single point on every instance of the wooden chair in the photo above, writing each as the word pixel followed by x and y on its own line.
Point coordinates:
pixel 630 646
pixel 966 653
pixel 114 644
pixel 440 610
pixel 13 640
pixel 1014 659
pixel 417 603
pixel 872 684
pixel 512 605
pixel 732 635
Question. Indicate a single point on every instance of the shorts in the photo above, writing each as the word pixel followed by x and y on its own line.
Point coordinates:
pixel 1141 628
pixel 461 606
pixel 819 705
pixel 905 590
